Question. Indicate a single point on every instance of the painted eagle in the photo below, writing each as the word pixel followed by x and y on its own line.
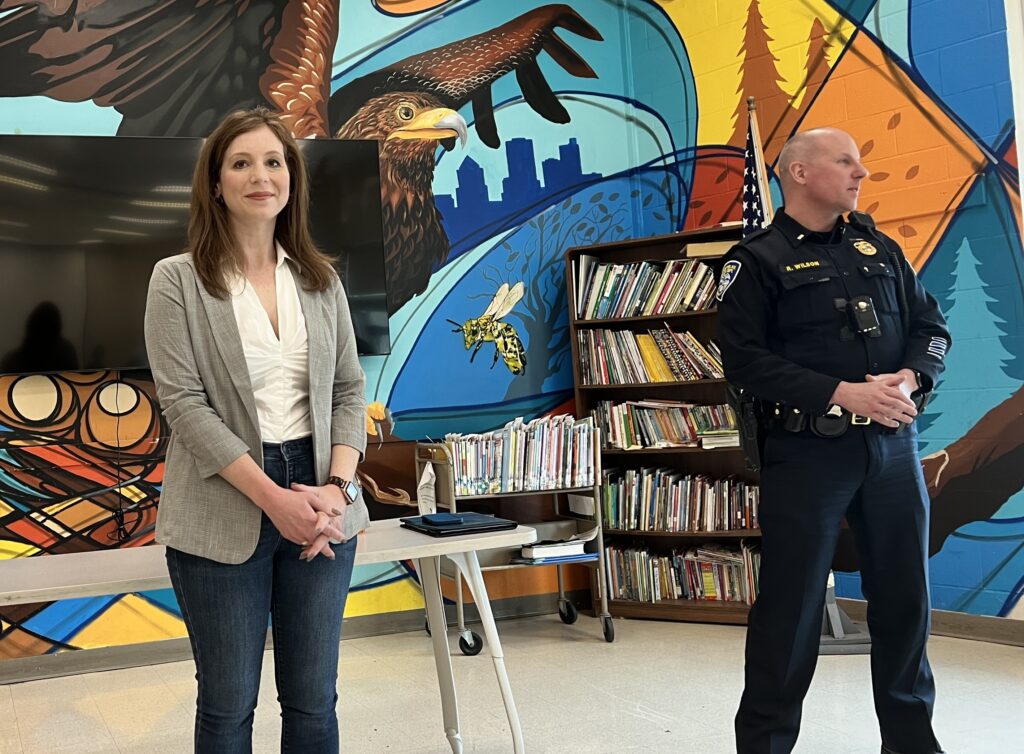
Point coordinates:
pixel 177 67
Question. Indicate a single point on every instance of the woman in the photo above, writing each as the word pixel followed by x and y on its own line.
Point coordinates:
pixel 251 345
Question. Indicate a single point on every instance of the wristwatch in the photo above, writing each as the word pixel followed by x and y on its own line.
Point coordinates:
pixel 349 488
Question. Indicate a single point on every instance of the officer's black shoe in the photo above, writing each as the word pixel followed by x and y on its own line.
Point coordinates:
pixel 887 750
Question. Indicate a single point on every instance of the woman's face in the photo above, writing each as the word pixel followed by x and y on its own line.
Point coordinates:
pixel 254 176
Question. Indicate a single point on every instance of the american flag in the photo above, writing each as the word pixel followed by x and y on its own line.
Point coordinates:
pixel 753 186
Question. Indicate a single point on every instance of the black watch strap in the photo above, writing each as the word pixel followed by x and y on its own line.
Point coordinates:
pixel 923 383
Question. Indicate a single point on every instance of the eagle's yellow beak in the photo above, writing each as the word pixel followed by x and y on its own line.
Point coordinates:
pixel 439 123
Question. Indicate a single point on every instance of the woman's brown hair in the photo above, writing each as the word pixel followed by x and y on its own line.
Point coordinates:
pixel 209 232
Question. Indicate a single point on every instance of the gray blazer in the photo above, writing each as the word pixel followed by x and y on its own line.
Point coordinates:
pixel 202 382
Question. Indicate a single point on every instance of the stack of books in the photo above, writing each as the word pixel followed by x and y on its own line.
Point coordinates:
pixel 551 452
pixel 606 290
pixel 617 357
pixel 708 572
pixel 662 499
pixel 554 551
pixel 632 425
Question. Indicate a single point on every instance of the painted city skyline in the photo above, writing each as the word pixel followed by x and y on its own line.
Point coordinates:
pixel 471 209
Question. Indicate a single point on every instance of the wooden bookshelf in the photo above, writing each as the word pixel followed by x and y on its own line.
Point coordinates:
pixel 716 462
pixel 651 319
pixel 702 535
pixel 695 611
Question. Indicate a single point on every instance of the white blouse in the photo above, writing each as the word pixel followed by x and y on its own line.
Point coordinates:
pixel 278 367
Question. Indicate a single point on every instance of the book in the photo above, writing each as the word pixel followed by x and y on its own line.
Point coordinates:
pixel 547 452
pixel 583 558
pixel 708 248
pixel 467 523
pixel 584 265
pixel 553 549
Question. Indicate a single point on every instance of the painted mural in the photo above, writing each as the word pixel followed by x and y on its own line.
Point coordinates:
pixel 510 133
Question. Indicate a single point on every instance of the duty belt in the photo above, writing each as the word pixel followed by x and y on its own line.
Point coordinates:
pixel 833 423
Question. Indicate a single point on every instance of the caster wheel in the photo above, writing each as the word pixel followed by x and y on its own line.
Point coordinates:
pixel 567 612
pixel 609 629
pixel 471 648
pixel 426 627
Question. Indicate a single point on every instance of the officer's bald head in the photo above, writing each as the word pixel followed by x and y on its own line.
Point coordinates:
pixel 808 146
pixel 821 168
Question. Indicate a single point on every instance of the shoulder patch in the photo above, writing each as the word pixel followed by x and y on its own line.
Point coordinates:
pixel 730 271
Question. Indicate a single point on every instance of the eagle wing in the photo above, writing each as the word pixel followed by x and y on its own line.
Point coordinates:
pixel 464 71
pixel 173 67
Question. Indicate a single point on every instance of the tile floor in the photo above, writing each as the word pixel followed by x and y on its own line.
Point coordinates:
pixel 661 687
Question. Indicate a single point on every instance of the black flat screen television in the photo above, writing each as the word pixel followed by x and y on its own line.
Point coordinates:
pixel 83 219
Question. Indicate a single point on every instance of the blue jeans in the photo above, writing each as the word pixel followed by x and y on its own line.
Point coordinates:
pixel 225 609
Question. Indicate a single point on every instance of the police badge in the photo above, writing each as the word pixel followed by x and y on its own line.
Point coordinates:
pixel 865 247
pixel 729 273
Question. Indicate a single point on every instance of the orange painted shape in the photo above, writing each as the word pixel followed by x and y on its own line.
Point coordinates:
pixel 407 7
pixel 17 642
pixel 1011 154
pixel 156 475
pixel 90 468
pixel 32 532
pixel 905 128
pixel 717 183
pixel 81 515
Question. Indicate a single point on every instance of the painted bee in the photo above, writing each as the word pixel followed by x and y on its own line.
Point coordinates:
pixel 487 329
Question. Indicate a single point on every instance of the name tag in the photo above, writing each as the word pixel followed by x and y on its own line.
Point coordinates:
pixel 801 266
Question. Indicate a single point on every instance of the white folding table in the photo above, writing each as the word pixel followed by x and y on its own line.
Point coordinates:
pixel 138 569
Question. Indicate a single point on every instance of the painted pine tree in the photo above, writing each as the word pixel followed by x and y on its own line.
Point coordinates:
pixel 975 379
pixel 759 77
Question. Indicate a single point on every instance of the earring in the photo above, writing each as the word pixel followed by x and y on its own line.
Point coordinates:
pixel 219 199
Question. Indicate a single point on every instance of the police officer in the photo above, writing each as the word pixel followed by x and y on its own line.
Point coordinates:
pixel 824 322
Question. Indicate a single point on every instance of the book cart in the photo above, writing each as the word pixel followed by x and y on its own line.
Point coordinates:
pixel 439 456
pixel 644 559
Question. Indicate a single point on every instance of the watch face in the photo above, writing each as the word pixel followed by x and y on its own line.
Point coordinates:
pixel 351 491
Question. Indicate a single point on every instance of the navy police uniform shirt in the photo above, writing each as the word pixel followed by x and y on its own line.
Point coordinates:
pixel 784 335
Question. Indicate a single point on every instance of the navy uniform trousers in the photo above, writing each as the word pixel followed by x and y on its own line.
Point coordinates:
pixel 808 484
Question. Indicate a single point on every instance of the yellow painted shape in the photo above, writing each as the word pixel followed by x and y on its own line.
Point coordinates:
pixel 133 493
pixel 5 509
pixel 713 35
pixel 11 549
pixel 54 508
pixel 49 523
pixel 390 598
pixel 129 621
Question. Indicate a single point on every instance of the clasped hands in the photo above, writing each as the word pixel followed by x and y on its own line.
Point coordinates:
pixel 885 398
pixel 309 516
